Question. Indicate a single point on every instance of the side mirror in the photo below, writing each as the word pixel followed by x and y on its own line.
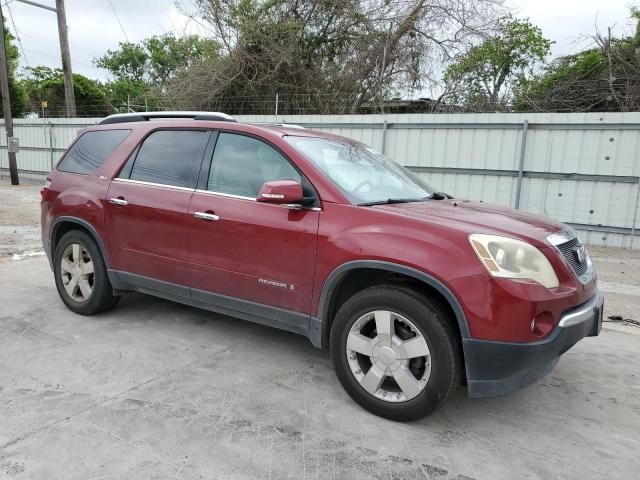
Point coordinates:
pixel 281 192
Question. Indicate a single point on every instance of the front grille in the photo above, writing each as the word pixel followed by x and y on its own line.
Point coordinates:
pixel 568 252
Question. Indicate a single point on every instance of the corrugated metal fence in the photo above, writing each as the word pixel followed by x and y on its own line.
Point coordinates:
pixel 582 169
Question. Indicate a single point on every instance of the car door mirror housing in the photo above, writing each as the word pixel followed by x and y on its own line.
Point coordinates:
pixel 281 191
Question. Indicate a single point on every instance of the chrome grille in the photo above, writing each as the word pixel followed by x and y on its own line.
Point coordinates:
pixel 568 251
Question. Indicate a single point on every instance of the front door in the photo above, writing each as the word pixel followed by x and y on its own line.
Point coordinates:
pixel 244 249
pixel 146 207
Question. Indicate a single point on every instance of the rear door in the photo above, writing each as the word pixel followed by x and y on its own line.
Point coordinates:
pixel 252 251
pixel 146 213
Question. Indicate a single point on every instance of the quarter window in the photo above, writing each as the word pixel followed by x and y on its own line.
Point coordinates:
pixel 242 164
pixel 91 150
pixel 168 157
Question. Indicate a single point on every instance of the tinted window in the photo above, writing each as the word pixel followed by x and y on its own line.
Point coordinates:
pixel 91 149
pixel 168 157
pixel 126 170
pixel 242 164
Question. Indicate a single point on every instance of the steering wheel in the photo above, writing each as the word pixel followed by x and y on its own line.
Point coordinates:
pixel 361 185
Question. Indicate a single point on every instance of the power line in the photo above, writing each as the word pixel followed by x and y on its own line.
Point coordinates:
pixel 15 29
pixel 115 14
pixel 52 55
pixel 124 32
pixel 45 40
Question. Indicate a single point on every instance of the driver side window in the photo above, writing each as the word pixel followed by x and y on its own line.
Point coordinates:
pixel 242 164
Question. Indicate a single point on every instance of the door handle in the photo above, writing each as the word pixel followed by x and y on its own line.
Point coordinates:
pixel 210 217
pixel 118 201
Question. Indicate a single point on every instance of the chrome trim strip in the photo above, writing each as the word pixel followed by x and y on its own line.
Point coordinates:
pixel 228 195
pixel 563 236
pixel 584 314
pixel 251 199
pixel 151 184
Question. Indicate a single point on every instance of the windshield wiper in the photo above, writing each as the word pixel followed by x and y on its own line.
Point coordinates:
pixel 390 201
pixel 438 196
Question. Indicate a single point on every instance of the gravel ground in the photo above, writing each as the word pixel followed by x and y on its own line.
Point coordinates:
pixel 19 218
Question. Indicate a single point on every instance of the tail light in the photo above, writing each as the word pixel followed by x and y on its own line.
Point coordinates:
pixel 45 189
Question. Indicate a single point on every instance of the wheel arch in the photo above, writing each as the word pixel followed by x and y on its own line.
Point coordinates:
pixel 373 272
pixel 65 224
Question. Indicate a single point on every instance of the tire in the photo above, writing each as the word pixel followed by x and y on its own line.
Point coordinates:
pixel 411 316
pixel 81 290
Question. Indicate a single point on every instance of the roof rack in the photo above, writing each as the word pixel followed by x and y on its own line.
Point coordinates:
pixel 146 116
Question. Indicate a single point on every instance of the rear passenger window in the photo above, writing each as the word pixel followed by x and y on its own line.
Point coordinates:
pixel 242 164
pixel 168 157
pixel 91 149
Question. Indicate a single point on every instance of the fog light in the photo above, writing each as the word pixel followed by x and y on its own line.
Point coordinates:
pixel 542 324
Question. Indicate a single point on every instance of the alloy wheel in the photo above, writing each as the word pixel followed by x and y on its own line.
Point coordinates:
pixel 388 356
pixel 77 272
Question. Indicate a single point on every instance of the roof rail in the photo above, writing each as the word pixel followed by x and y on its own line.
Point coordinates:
pixel 146 116
pixel 283 125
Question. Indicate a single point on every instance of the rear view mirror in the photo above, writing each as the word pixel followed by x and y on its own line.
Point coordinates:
pixel 281 191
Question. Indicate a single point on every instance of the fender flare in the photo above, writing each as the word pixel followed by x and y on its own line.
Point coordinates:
pixel 332 280
pixel 83 223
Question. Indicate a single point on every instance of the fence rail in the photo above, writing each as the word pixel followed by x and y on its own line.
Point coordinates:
pixel 582 169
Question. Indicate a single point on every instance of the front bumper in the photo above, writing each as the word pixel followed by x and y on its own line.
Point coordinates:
pixel 496 368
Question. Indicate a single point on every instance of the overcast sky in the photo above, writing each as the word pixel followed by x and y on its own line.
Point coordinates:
pixel 93 27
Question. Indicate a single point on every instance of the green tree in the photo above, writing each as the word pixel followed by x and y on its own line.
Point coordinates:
pixel 128 62
pixel 45 83
pixel 123 94
pixel 483 77
pixel 17 92
pixel 169 55
pixel 605 77
pixel 138 68
pixel 156 59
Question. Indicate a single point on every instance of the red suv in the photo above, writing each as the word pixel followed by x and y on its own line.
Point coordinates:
pixel 413 292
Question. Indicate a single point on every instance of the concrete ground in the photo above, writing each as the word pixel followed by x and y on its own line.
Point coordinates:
pixel 159 390
pixel 19 218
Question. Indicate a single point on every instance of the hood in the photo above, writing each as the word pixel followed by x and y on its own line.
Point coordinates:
pixel 478 217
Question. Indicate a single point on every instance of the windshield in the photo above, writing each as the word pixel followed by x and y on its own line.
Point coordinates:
pixel 361 173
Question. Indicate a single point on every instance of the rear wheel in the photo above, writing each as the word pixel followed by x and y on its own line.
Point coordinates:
pixel 81 275
pixel 395 352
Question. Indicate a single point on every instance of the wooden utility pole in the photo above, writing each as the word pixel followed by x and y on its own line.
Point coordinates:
pixel 69 96
pixel 6 105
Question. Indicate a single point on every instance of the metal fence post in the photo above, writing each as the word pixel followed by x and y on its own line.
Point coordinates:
pixel 523 151
pixel 51 144
pixel 635 215
pixel 384 137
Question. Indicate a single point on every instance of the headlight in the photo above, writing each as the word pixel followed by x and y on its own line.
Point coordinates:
pixel 510 258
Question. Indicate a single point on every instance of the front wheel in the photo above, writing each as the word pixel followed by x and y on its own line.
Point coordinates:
pixel 395 352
